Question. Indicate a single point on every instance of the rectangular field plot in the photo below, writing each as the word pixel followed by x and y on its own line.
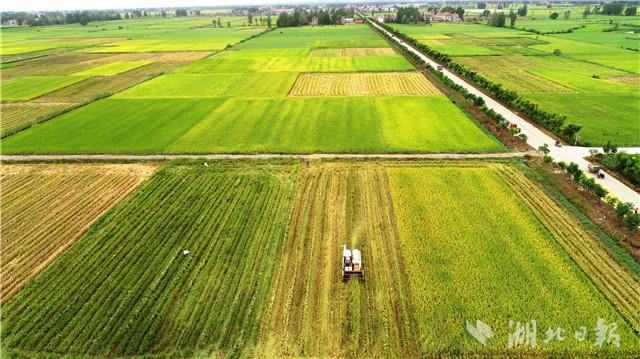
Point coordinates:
pixel 211 86
pixel 315 314
pixel 113 126
pixel 362 51
pixel 221 64
pixel 112 68
pixel 127 288
pixel 29 87
pixel 364 84
pixel 319 36
pixel 243 260
pixel 247 125
pixel 346 124
pixel 196 39
pixel 604 117
pixel 20 115
pixel 473 241
pixel 46 208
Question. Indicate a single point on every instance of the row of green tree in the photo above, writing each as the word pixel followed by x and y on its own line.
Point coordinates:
pixel 301 17
pixel 628 165
pixel 84 17
pixel 500 19
pixel 59 17
pixel 625 211
pixel 551 121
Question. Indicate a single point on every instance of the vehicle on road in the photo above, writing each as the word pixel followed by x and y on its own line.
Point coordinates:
pixel 596 170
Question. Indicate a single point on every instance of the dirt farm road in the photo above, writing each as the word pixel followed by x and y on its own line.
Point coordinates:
pixel 262 156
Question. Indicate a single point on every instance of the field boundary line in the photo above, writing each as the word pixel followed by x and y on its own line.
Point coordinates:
pixel 266 156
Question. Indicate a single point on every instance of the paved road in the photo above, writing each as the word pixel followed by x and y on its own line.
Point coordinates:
pixel 265 156
pixel 536 137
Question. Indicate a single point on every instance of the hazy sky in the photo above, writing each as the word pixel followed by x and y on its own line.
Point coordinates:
pixel 33 5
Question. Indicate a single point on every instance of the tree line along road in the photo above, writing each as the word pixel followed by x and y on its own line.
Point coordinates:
pixel 535 137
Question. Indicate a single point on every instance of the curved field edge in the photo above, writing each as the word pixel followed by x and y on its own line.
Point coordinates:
pixel 46 208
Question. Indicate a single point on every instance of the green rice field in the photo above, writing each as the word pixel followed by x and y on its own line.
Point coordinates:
pixel 29 87
pixel 231 103
pixel 582 82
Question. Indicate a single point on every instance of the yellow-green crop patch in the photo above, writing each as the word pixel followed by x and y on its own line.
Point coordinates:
pixel 197 39
pixel 28 87
pixel 112 68
pixel 347 124
pixel 301 64
pixel 243 260
pixel 251 84
pixel 20 115
pixel 364 84
pixel 209 86
pixel 473 241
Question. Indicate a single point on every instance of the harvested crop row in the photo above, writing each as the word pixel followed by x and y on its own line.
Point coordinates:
pixel 364 84
pixel 620 286
pixel 352 51
pixel 17 115
pixel 47 208
pixel 130 287
pixel 313 312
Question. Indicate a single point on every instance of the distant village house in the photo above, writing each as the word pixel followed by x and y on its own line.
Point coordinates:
pixel 444 17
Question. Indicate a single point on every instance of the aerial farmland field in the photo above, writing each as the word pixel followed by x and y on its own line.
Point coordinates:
pixel 46 208
pixel 261 276
pixel 252 101
pixel 581 83
pixel 275 182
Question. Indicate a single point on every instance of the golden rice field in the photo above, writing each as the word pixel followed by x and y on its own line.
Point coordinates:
pixel 443 243
pixel 46 208
pixel 364 84
pixel 352 51
pixel 617 284
pixel 313 313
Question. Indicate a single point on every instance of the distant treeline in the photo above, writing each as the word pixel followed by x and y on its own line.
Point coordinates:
pixel 84 17
pixel 302 17
pixel 59 17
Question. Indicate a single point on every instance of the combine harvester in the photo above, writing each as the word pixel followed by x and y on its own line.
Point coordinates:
pixel 351 264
